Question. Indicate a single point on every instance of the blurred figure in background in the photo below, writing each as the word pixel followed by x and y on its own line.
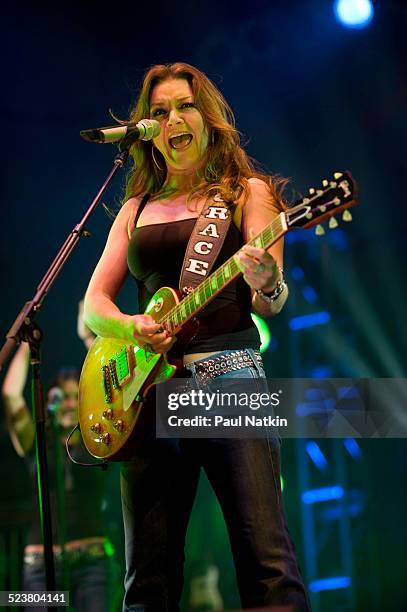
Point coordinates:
pixel 82 549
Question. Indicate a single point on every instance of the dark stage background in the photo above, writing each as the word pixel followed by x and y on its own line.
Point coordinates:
pixel 311 97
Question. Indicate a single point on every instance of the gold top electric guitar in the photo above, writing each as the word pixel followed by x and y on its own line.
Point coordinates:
pixel 117 377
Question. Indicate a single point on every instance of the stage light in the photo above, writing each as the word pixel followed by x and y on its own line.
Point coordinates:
pixel 314 496
pixel 353 448
pixel 329 584
pixel 354 13
pixel 316 318
pixel 322 371
pixel 297 273
pixel 352 510
pixel 324 407
pixel 109 549
pixel 352 363
pixel 369 324
pixel 317 456
pixel 309 294
pixel 264 331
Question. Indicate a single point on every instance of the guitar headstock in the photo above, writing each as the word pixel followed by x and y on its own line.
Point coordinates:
pixel 332 197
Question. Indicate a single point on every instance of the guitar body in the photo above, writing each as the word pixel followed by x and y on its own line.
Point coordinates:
pixel 116 380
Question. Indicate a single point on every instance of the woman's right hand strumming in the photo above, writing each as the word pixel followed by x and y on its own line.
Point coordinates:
pixel 148 334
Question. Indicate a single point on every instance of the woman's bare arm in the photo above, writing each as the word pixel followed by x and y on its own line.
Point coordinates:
pixel 19 420
pixel 258 212
pixel 101 314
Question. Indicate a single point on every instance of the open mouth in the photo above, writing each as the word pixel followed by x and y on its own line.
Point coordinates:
pixel 181 141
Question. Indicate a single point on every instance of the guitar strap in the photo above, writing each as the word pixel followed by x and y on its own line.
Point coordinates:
pixel 205 242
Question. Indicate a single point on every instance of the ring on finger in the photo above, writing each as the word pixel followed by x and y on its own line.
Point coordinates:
pixel 261 267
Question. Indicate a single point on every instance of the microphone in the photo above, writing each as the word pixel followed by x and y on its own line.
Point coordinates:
pixel 146 129
pixel 55 396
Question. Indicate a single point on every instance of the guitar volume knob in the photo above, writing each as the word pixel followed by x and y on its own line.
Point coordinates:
pixel 106 438
pixel 119 425
pixel 97 427
pixel 108 413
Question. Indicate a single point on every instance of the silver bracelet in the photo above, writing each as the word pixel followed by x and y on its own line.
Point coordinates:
pixel 277 291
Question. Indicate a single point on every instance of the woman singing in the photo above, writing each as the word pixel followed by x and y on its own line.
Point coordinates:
pixel 196 157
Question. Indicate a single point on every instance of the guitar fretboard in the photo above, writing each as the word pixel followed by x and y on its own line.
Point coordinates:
pixel 218 280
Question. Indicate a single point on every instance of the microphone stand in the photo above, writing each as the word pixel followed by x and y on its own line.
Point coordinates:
pixel 25 328
pixel 60 490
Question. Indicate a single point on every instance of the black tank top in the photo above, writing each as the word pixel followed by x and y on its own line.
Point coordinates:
pixel 155 256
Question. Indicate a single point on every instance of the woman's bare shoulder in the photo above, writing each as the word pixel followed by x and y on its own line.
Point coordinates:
pixel 131 205
pixel 258 185
pixel 261 195
pixel 256 190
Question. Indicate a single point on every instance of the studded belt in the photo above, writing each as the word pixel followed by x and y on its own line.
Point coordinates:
pixel 216 366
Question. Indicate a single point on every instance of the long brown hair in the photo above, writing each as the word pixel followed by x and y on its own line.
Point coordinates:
pixel 227 166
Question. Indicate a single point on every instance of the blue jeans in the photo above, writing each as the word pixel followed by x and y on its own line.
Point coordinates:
pixel 158 489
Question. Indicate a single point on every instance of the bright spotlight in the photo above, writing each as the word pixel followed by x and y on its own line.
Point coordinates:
pixel 264 332
pixel 354 13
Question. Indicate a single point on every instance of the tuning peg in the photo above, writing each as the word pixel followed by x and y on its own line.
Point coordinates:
pixel 332 223
pixel 346 216
pixel 311 190
pixel 319 230
pixel 325 183
pixel 338 175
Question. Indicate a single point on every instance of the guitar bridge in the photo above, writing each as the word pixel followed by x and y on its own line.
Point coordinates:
pixel 113 373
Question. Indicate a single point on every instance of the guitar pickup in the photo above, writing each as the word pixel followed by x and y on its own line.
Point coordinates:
pixel 119 371
pixel 123 367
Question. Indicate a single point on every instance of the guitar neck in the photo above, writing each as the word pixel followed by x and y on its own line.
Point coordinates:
pixel 195 301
